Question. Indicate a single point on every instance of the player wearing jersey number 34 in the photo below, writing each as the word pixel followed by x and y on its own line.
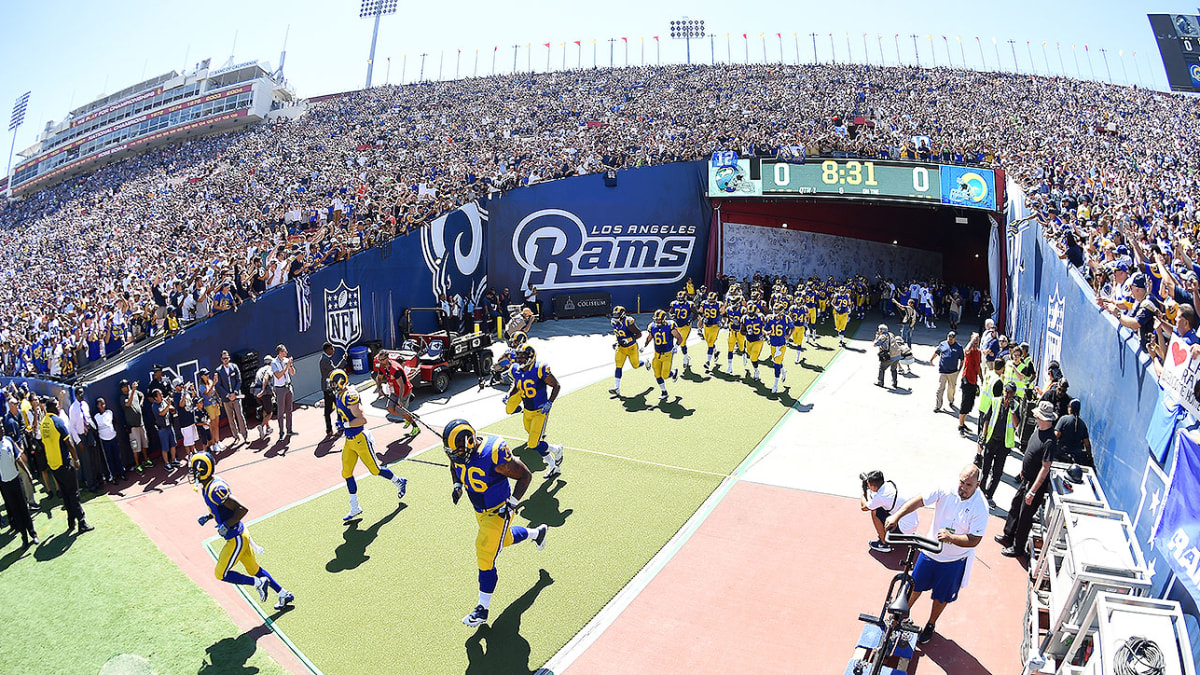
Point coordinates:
pixel 483 467
pixel 359 444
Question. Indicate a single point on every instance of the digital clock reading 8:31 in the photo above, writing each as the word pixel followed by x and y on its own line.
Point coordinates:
pixel 851 176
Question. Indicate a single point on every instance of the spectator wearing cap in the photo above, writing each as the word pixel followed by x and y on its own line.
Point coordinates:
pixel 1040 452
pixel 184 401
pixel 1056 394
pixel 62 460
pixel 11 465
pixel 106 430
pixel 160 405
pixel 1119 291
pixel 229 391
pixel 82 429
pixel 1000 420
pixel 133 403
pixel 949 355
pixel 1138 313
pixel 1074 443
pixel 972 371
pixel 889 355
pixel 282 371
pixel 327 365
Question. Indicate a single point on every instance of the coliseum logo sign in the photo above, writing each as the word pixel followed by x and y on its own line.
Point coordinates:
pixel 558 251
pixel 343 317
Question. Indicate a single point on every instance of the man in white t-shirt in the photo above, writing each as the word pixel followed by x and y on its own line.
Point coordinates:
pixel 960 518
pixel 881 499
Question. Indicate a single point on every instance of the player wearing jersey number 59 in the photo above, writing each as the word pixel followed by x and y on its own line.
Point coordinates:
pixel 359 444
pixel 228 513
pixel 483 465
pixel 530 381
pixel 665 336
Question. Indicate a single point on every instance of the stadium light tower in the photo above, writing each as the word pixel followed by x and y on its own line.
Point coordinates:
pixel 687 30
pixel 17 119
pixel 375 9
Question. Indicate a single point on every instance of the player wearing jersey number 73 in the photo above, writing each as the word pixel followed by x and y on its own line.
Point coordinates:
pixel 483 466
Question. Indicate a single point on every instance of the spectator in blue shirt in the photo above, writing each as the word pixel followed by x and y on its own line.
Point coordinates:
pixel 949 355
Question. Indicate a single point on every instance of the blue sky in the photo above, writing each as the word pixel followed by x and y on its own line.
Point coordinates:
pixel 86 49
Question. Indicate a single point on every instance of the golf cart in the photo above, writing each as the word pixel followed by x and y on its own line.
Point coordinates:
pixel 431 359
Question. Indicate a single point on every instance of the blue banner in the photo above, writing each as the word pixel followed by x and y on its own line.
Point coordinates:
pixel 640 239
pixel 1177 532
pixel 968 186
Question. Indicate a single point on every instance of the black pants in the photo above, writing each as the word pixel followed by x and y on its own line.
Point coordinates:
pixel 1020 516
pixel 327 395
pixel 992 471
pixel 15 506
pixel 894 365
pixel 68 484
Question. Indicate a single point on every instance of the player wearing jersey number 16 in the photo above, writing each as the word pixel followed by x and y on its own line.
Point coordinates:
pixel 531 379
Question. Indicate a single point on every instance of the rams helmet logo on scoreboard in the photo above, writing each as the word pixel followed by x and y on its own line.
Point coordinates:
pixel 973 186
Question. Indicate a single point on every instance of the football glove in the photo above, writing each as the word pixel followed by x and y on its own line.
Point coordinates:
pixel 222 529
pixel 509 507
pixel 203 520
pixel 456 493
pixel 545 409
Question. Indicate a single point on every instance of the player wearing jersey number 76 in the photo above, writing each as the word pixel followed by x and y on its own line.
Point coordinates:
pixel 483 466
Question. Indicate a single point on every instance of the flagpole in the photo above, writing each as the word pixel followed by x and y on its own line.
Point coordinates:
pixel 1137 70
pixel 866 52
pixel 1075 54
pixel 879 39
pixel 814 39
pixel 898 61
pixel 982 60
pixel 1061 68
pixel 832 49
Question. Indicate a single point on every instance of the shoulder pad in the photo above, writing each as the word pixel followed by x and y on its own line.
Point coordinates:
pixel 350 397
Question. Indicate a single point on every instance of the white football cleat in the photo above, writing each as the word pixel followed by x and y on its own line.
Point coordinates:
pixel 783 376
pixel 539 536
pixel 615 391
pixel 260 585
pixel 401 485
pixel 355 511
pixel 687 360
pixel 775 387
pixel 285 598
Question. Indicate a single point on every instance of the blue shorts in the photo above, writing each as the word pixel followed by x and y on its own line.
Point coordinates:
pixel 945 578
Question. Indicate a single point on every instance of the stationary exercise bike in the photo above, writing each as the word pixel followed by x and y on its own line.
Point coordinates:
pixel 890 635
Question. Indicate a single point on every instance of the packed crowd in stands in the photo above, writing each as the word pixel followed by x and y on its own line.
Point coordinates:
pixel 147 244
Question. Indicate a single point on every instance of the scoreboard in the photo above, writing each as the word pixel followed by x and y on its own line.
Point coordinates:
pixel 917 182
pixel 1178 37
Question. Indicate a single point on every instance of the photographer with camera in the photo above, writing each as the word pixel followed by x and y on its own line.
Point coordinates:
pixel 881 498
pixel 889 355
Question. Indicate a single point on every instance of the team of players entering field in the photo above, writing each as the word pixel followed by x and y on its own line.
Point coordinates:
pixel 753 327
pixel 485 468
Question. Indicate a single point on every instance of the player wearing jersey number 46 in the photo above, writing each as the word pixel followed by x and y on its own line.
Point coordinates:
pixel 239 548
pixel 483 466
pixel 359 444
pixel 531 379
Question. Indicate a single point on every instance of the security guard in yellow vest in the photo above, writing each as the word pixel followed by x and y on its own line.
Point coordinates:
pixel 998 437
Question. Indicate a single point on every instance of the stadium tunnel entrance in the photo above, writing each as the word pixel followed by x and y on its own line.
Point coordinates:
pixel 801 238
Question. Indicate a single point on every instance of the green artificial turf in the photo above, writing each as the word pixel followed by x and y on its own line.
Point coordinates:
pixel 110 602
pixel 387 594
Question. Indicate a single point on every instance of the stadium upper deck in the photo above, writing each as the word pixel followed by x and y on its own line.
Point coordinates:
pixel 161 109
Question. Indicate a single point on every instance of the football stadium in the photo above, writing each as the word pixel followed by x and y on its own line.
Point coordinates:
pixel 781 341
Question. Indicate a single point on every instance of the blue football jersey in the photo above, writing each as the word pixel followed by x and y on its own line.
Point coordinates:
pixel 216 496
pixel 663 337
pixel 531 384
pixel 486 487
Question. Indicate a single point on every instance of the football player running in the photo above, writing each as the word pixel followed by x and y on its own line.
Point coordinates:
pixel 665 335
pixel 531 379
pixel 483 466
pixel 682 313
pixel 359 443
pixel 710 321
pixel 626 332
pixel 779 326
pixel 733 313
pixel 228 513
pixel 798 313
pixel 753 325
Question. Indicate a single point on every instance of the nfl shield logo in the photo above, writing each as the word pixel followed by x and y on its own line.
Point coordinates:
pixel 343 319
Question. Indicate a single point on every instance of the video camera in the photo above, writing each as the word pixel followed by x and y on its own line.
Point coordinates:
pixel 868 477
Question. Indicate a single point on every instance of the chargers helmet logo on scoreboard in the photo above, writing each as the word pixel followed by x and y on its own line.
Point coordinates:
pixel 558 251
pixel 730 179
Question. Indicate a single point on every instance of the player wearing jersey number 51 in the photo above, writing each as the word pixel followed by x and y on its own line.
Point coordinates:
pixel 359 444
pixel 666 336
pixel 483 466
pixel 228 513
pixel 531 379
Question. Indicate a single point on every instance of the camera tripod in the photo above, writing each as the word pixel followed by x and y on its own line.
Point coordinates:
pixel 890 635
